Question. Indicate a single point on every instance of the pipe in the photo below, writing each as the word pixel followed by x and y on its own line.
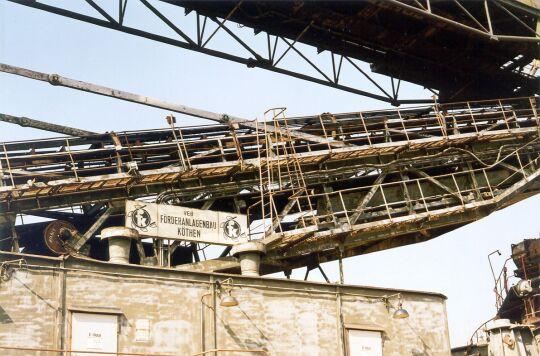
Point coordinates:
pixel 63 299
pixel 203 341
pixel 249 254
pixel 119 238
pixel 42 125
pixel 56 79
pixel 340 322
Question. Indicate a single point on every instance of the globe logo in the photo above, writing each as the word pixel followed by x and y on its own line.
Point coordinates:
pixel 141 218
pixel 231 228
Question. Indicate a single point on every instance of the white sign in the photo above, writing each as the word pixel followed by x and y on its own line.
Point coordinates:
pixel 142 330
pixel 181 223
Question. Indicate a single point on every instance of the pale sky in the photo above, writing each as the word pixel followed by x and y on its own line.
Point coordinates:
pixel 454 264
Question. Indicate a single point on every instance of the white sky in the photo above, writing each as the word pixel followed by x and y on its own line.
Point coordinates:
pixel 455 264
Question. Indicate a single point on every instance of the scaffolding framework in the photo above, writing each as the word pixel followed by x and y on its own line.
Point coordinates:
pixel 396 177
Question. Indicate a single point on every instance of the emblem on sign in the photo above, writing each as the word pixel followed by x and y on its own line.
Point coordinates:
pixel 231 228
pixel 140 218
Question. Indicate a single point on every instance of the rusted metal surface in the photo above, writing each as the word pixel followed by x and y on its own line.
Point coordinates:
pixel 464 49
pixel 517 297
pixel 402 176
pixel 57 234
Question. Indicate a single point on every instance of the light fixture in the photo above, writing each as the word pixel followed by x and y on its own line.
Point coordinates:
pixel 228 301
pixel 224 290
pixel 400 312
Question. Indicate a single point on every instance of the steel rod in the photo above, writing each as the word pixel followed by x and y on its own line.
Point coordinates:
pixel 58 80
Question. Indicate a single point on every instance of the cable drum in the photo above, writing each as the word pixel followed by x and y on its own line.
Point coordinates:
pixel 56 235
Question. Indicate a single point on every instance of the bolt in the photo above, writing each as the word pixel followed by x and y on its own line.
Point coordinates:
pixel 54 79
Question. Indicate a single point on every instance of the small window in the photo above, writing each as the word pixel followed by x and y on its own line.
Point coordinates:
pixel 94 332
pixel 364 343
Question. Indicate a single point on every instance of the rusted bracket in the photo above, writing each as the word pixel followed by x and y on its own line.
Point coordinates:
pixel 80 239
pixel 290 203
pixel 367 198
pixel 140 249
pixel 435 182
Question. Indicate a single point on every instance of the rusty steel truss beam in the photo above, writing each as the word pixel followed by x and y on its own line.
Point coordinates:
pixel 404 175
pixel 334 43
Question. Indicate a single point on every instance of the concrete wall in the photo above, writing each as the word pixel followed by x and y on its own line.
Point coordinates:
pixel 281 316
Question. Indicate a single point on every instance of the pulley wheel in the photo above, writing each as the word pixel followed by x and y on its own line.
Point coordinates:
pixel 56 234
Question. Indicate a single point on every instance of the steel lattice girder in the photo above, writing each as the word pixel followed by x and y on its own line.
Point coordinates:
pixel 403 176
pixel 466 50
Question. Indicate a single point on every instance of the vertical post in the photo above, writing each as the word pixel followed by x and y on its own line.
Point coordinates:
pixel 341 331
pixel 341 275
pixel 457 187
pixel 73 165
pixel 533 107
pixel 168 253
pixel 504 115
pixel 325 135
pixel 422 195
pixel 474 182
pixel 385 202
pixel 10 219
pixel 472 117
pixel 9 166
pixel 344 208
pixel 62 306
pixel 261 189
pixel 2 183
pixel 171 120
pixel 14 237
pixel 8 235
pixel 488 183
pixel 521 165
pixel 365 129
pixel 184 146
pixel 403 125
pixel 214 314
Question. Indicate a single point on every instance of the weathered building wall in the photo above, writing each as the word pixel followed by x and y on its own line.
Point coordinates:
pixel 281 316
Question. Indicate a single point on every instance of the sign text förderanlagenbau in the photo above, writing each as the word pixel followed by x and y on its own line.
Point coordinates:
pixel 177 220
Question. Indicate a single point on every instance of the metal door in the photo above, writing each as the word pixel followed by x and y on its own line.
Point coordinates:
pixel 364 343
pixel 94 332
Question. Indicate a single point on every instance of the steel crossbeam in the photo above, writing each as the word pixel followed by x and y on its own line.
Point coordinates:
pixel 463 161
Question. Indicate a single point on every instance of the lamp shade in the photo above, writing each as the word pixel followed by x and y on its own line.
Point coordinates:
pixel 400 313
pixel 228 301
